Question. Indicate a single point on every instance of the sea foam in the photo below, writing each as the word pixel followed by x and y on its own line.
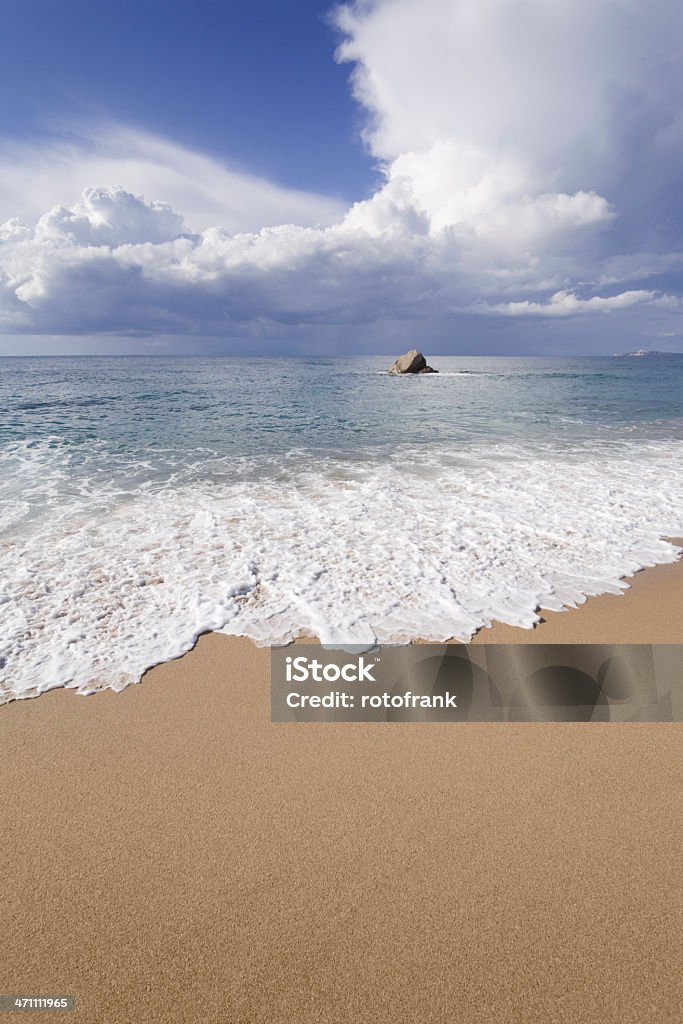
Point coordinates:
pixel 108 568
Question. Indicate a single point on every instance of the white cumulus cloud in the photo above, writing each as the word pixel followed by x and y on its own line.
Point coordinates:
pixel 530 157
pixel 566 303
pixel 111 217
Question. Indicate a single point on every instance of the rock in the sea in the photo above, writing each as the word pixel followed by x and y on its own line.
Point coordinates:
pixel 411 362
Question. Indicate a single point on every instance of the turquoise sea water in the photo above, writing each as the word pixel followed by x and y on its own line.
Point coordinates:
pixel 268 406
pixel 143 500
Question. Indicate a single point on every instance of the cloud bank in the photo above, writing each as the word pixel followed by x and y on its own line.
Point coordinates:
pixel 56 170
pixel 530 157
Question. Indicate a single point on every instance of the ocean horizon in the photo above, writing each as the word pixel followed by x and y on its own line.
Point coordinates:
pixel 147 499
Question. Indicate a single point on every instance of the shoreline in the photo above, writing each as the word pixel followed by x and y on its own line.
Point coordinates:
pixel 649 611
pixel 644 612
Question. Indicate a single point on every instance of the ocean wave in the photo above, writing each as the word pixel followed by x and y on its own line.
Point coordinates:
pixel 124 561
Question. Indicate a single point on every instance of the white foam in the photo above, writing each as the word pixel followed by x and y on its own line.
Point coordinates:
pixel 122 573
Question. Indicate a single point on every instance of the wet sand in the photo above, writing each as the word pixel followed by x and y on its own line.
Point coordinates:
pixel 170 855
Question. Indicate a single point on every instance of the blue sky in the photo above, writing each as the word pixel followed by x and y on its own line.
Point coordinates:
pixel 468 175
pixel 252 82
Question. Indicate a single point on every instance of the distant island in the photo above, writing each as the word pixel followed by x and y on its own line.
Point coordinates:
pixel 646 352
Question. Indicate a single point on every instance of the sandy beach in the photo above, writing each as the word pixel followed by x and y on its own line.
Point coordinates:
pixel 170 855
pixel 341 512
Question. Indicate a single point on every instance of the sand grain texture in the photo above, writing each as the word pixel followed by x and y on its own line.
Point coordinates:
pixel 170 855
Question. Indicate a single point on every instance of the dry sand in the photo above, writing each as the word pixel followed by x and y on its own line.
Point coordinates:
pixel 170 855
